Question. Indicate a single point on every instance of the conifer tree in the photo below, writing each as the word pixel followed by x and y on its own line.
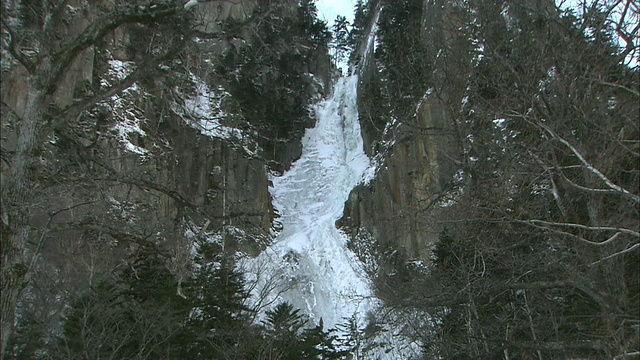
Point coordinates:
pixel 287 336
pixel 136 315
pixel 341 44
pixel 219 319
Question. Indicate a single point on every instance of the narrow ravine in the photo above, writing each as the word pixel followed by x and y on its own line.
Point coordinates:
pixel 309 264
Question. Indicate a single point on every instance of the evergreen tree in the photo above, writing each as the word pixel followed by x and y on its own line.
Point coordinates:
pixel 351 338
pixel 289 339
pixel 29 340
pixel 310 24
pixel 358 27
pixel 219 319
pixel 284 325
pixel 260 79
pixel 137 316
pixel 341 44
pixel 319 344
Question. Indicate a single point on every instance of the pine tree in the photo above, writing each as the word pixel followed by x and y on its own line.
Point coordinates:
pixel 283 325
pixel 319 344
pixel 136 315
pixel 310 24
pixel 219 319
pixel 287 336
pixel 341 44
pixel 351 338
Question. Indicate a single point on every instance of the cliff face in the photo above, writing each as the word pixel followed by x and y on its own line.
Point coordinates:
pixel 413 100
pixel 196 142
pixel 138 140
pixel 134 135
pixel 413 139
pixel 415 172
pixel 166 150
pixel 495 148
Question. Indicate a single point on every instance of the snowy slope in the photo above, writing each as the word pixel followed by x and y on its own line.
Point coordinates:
pixel 309 264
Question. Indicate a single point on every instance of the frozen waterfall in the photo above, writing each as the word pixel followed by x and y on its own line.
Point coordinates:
pixel 309 264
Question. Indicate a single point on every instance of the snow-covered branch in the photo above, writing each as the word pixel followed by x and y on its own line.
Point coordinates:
pixel 610 184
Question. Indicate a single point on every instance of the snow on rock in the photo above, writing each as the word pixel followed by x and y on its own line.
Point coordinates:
pixel 123 107
pixel 118 70
pixel 204 111
pixel 129 117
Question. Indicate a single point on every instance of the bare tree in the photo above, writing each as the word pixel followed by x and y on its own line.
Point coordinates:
pixel 542 222
pixel 46 54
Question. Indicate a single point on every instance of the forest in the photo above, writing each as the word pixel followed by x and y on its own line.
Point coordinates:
pixel 538 256
pixel 127 200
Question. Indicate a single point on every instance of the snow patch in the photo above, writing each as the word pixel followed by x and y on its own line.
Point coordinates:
pixel 118 70
pixel 128 116
pixel 425 97
pixel 508 19
pixel 204 110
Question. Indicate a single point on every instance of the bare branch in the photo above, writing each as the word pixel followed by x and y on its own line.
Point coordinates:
pixel 548 226
pixel 629 249
pixel 97 31
pixel 585 227
pixel 588 189
pixel 635 198
pixel 583 345
pixel 627 355
pixel 634 92
pixel 628 39
pixel 74 110
pixel 16 53
pixel 45 231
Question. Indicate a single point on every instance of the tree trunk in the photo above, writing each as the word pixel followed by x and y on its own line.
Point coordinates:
pixel 15 193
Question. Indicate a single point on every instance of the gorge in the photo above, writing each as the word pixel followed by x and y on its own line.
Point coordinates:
pixel 206 184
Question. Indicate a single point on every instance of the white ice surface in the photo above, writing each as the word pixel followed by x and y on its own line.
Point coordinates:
pixel 309 264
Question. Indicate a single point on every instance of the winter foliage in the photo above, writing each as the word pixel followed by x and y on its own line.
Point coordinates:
pixel 235 180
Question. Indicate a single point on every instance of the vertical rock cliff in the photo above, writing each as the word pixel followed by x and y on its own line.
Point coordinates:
pixel 408 120
pixel 153 130
pixel 496 188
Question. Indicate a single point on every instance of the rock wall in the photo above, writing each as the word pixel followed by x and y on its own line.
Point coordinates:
pixel 415 175
pixel 413 92
pixel 418 154
pixel 169 161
